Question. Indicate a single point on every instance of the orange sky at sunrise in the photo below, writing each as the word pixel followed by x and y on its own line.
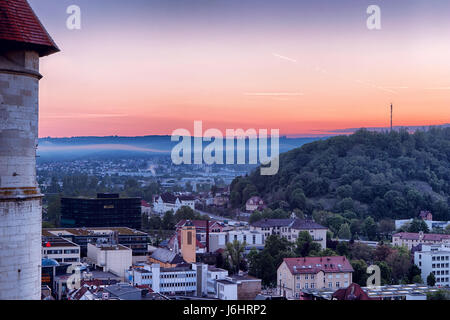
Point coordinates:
pixel 303 81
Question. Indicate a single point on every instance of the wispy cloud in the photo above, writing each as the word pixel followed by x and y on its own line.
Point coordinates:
pixel 276 94
pixel 284 57
pixel 83 116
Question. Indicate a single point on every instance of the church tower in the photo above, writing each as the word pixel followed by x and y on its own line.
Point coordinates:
pixel 188 242
pixel 23 40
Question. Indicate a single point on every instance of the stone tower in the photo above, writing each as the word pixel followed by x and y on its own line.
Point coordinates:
pixel 188 242
pixel 23 40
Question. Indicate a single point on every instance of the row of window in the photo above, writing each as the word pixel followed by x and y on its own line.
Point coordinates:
pixel 311 276
pixel 177 285
pixel 73 251
pixel 440 265
pixel 312 285
pixel 440 258
pixel 180 275
pixel 441 273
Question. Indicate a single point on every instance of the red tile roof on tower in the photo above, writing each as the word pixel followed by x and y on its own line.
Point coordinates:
pixel 19 26
pixel 316 264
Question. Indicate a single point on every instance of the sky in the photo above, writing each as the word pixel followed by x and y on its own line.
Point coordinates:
pixel 144 67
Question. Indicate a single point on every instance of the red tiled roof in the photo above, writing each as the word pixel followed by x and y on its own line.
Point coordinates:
pixel 198 224
pixel 145 204
pixel 352 292
pixel 20 26
pixel 426 236
pixel 316 264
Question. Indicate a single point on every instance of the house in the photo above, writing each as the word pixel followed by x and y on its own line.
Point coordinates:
pixel 290 228
pixel 146 209
pixel 409 239
pixel 238 287
pixel 434 259
pixel 255 203
pixel 200 225
pixel 297 274
pixel 170 202
pixel 426 215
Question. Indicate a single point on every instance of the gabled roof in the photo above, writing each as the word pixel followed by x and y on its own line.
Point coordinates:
pixel 314 265
pixel 198 224
pixel 20 27
pixel 167 256
pixel 352 292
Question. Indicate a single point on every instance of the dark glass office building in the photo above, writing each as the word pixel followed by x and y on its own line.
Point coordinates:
pixel 107 210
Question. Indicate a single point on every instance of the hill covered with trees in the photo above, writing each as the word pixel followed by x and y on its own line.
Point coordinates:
pixel 359 182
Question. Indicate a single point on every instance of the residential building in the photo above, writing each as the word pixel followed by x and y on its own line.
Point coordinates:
pixel 238 287
pixel 114 258
pixel 146 209
pixel 254 203
pixel 290 228
pixel 297 274
pixel 410 240
pixel 171 202
pixel 434 259
pixel 427 217
pixel 201 226
pixel 252 238
pixel 107 210
pixel 60 250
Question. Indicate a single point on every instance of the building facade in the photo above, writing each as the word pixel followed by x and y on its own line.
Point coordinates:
pixel 131 238
pixel 297 274
pixel 61 250
pixel 434 259
pixel 290 228
pixel 114 258
pixel 107 210
pixel 170 202
pixel 410 240
pixel 23 41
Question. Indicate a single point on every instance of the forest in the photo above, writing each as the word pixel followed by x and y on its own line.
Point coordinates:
pixel 361 182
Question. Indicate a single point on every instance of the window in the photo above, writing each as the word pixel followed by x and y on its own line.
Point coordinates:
pixel 306 277
pixel 330 284
pixel 189 238
pixel 312 285
pixel 306 285
pixel 338 284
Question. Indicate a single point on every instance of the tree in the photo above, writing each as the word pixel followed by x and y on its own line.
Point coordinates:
pixel 306 245
pixel 360 272
pixel 431 279
pixel 344 231
pixel 418 225
pixel 413 271
pixel 386 272
pixel 417 279
pixel 234 252
pixel 168 221
pixel 370 228
pixel 255 216
pixel 438 295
